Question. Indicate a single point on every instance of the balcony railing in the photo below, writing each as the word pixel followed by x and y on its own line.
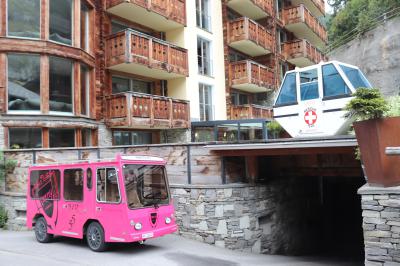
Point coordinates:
pixel 137 110
pixel 304 25
pixel 137 53
pixel 316 7
pixel 161 15
pixel 250 111
pixel 254 9
pixel 250 76
pixel 249 37
pixel 301 53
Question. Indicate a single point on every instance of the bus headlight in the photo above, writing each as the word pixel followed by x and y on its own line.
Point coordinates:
pixel 138 226
pixel 132 223
pixel 167 220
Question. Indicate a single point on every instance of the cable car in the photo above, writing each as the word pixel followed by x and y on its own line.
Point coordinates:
pixel 311 99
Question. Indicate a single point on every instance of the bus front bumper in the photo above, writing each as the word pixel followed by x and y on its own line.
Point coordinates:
pixel 140 236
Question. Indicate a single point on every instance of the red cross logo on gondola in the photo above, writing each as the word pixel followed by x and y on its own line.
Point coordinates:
pixel 310 117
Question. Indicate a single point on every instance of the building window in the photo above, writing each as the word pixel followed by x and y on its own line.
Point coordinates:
pixel 281 37
pixel 203 18
pixel 23 82
pixel 25 138
pixel 235 57
pixel 86 137
pixel 61 137
pixel 85 26
pixel 239 98
pixel 205 100
pixel 60 94
pixel 73 184
pixel 204 56
pixel 61 21
pixel 85 88
pixel 284 67
pixel 279 6
pixel 121 84
pixel 23 18
pixel 132 137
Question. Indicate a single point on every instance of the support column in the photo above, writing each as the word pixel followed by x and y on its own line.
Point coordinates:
pixel 381 224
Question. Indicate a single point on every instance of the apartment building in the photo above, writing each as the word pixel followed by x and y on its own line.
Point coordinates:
pixel 77 73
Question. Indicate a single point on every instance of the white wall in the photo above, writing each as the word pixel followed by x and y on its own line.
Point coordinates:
pixel 188 88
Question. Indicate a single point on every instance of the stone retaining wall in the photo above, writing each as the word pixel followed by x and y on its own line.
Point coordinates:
pixel 381 224
pixel 15 205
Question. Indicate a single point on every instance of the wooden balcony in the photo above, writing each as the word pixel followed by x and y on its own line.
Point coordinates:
pixel 254 9
pixel 301 53
pixel 316 7
pixel 304 25
pixel 250 76
pixel 144 111
pixel 137 53
pixel 161 15
pixel 250 111
pixel 249 37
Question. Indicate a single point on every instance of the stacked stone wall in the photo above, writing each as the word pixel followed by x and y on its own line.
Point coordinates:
pixel 381 224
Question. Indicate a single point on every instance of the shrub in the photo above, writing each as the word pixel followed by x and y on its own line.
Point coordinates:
pixel 3 217
pixel 367 104
pixel 274 128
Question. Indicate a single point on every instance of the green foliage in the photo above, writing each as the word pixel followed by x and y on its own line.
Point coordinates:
pixel 3 217
pixel 356 16
pixel 367 104
pixel 274 128
pixel 6 165
pixel 394 106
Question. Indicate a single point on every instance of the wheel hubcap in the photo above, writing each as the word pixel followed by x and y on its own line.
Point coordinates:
pixel 94 238
pixel 41 230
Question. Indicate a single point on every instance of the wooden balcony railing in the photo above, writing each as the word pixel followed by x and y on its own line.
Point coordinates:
pixel 250 76
pixel 170 9
pixel 250 111
pixel 301 14
pixel 255 9
pixel 137 110
pixel 129 46
pixel 317 7
pixel 244 29
pixel 302 51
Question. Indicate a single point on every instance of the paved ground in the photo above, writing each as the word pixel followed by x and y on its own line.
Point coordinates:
pixel 21 248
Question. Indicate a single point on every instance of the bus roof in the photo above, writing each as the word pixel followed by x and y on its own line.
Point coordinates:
pixel 137 159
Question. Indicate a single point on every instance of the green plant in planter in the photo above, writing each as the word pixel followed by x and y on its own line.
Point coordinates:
pixel 274 128
pixel 3 217
pixel 6 166
pixel 367 104
pixel 376 130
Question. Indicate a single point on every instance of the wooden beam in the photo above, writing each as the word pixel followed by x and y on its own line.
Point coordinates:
pixel 252 168
pixel 76 33
pixel 3 83
pixel 3 17
pixel 44 20
pixel 78 137
pixel 44 84
pixel 45 137
pixel 77 88
pixel 95 137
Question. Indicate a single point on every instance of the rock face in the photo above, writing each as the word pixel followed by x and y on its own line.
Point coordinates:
pixel 377 54
pixel 382 225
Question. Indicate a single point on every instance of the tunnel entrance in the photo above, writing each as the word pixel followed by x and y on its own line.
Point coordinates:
pixel 317 208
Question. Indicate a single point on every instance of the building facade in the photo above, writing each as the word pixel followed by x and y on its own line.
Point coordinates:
pixel 112 72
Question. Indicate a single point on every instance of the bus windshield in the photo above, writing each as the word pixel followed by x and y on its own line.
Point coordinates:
pixel 145 185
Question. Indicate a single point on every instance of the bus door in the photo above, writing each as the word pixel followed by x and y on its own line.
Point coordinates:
pixel 110 210
pixel 72 205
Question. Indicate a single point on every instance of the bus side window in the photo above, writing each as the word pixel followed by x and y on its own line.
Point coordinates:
pixel 89 182
pixel 73 184
pixel 107 185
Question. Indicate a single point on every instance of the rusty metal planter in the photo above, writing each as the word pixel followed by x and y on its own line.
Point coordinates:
pixel 373 137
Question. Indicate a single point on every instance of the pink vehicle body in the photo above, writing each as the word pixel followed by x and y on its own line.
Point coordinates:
pixel 125 214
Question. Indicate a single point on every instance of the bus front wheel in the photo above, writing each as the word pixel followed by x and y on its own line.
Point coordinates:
pixel 41 231
pixel 95 237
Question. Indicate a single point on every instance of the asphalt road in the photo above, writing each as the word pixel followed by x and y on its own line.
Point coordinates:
pixel 21 248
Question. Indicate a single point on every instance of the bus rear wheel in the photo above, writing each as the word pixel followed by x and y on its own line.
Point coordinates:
pixel 95 237
pixel 41 231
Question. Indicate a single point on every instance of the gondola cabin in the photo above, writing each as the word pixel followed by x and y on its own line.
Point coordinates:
pixel 311 99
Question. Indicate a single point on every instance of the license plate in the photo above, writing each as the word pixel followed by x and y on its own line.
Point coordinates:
pixel 147 235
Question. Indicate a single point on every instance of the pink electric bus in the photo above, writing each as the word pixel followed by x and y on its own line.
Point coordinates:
pixel 125 199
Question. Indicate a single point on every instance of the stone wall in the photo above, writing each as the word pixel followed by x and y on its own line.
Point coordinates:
pixel 15 205
pixel 377 53
pixel 381 224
